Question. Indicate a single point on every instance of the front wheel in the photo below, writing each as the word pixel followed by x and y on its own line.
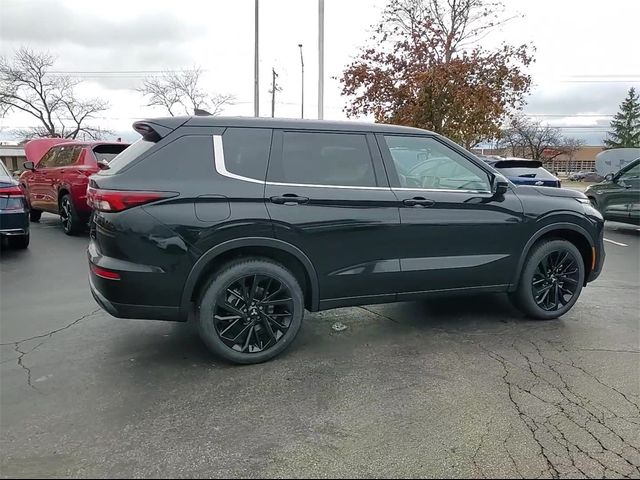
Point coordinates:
pixel 71 222
pixel 34 215
pixel 551 281
pixel 251 311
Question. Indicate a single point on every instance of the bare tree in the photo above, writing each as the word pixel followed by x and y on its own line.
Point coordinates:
pixel 529 139
pixel 455 24
pixel 180 93
pixel 27 85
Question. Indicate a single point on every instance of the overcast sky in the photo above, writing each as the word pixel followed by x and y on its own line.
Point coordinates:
pixel 586 51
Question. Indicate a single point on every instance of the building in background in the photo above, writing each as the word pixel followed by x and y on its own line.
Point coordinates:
pixel 12 156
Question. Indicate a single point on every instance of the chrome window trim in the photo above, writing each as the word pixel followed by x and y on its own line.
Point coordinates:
pixel 218 153
pixel 221 168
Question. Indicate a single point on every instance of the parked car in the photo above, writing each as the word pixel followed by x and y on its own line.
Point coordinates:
pixel 522 171
pixel 593 177
pixel 14 212
pixel 576 176
pixel 618 196
pixel 57 174
pixel 248 222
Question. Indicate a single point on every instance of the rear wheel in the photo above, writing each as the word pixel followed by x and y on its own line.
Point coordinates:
pixel 20 242
pixel 71 222
pixel 34 215
pixel 551 281
pixel 251 311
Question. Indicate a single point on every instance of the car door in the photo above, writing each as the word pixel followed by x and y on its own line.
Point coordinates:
pixel 55 176
pixel 454 234
pixel 38 182
pixel 628 180
pixel 328 195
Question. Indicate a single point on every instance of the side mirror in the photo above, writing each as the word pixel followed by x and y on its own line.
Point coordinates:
pixel 29 166
pixel 500 185
pixel 609 177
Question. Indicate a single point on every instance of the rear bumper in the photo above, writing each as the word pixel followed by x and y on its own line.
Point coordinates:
pixel 14 223
pixel 147 312
pixel 107 292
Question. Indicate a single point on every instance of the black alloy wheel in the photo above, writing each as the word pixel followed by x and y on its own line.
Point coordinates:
pixel 253 313
pixel 551 281
pixel 555 280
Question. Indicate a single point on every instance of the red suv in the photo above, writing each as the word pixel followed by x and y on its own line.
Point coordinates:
pixel 57 174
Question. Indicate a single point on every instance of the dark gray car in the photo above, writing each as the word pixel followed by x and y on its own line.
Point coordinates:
pixel 618 196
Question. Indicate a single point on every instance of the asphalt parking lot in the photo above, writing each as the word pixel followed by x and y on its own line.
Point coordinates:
pixel 460 387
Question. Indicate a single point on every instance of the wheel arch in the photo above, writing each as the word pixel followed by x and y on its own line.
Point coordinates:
pixel 289 255
pixel 573 233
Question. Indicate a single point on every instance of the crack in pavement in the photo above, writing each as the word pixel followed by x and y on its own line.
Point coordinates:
pixel 556 414
pixel 378 314
pixel 474 459
pixel 45 336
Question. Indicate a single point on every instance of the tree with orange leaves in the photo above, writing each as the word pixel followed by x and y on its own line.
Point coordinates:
pixel 427 70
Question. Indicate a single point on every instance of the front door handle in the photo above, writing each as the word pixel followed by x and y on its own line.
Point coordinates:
pixel 289 199
pixel 418 202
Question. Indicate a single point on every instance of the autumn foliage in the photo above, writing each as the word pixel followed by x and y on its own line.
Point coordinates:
pixel 419 72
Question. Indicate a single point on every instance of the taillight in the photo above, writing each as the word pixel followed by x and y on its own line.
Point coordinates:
pixel 104 273
pixel 12 191
pixel 119 200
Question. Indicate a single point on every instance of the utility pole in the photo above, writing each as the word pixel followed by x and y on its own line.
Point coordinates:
pixel 302 66
pixel 274 88
pixel 256 67
pixel 320 59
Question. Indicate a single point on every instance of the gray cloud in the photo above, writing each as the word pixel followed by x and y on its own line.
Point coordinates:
pixel 48 22
pixel 578 98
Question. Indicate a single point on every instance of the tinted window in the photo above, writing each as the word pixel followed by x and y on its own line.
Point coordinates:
pixel 524 172
pixel 423 162
pixel 246 151
pixel 127 156
pixel 182 160
pixel 106 153
pixel 324 159
pixel 632 173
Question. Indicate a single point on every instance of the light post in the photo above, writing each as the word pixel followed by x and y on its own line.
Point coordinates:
pixel 302 80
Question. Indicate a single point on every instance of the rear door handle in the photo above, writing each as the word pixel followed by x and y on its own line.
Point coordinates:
pixel 418 202
pixel 289 199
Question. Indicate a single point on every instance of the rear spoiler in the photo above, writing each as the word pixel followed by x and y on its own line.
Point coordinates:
pixel 155 129
pixel 517 163
pixel 35 149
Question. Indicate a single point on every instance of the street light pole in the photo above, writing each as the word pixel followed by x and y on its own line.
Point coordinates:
pixel 256 67
pixel 302 66
pixel 320 59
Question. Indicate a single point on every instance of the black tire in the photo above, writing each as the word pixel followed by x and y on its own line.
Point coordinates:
pixel 71 222
pixel 230 303
pixel 20 242
pixel 34 215
pixel 551 281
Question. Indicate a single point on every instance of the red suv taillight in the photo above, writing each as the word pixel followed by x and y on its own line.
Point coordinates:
pixel 119 200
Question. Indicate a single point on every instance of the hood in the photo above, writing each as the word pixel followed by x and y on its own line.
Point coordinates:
pixel 34 150
pixel 560 192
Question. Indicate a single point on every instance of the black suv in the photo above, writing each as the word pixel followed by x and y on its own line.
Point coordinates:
pixel 250 221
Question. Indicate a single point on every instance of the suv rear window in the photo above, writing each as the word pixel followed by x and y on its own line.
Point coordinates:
pixel 340 159
pixel 524 172
pixel 106 153
pixel 128 155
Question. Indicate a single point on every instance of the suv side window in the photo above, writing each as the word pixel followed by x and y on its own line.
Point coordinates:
pixel 632 174
pixel 246 151
pixel 67 155
pixel 424 162
pixel 324 158
pixel 48 158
